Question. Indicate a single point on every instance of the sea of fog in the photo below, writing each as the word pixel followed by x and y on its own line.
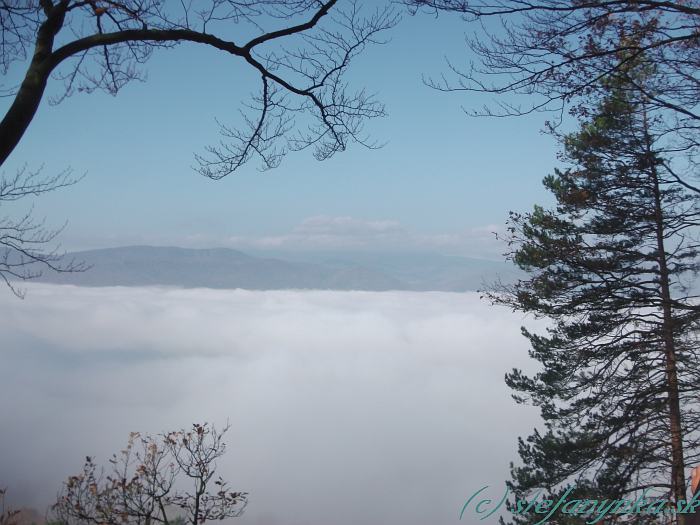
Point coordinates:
pixel 345 407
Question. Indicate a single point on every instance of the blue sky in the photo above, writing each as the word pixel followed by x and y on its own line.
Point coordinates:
pixel 442 182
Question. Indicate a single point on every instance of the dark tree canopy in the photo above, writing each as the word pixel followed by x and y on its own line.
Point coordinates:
pixel 610 266
pixel 299 48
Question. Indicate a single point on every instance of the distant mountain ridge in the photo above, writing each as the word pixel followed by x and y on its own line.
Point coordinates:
pixel 228 268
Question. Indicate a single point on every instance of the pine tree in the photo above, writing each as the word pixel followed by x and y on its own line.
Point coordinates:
pixel 610 265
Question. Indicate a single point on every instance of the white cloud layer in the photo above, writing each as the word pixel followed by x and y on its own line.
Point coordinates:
pixel 346 407
pixel 323 232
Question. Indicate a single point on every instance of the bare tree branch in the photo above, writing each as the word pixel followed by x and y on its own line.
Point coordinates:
pixel 146 483
pixel 553 52
pixel 102 45
pixel 25 243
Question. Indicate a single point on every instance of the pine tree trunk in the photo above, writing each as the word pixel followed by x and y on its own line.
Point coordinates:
pixel 678 487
